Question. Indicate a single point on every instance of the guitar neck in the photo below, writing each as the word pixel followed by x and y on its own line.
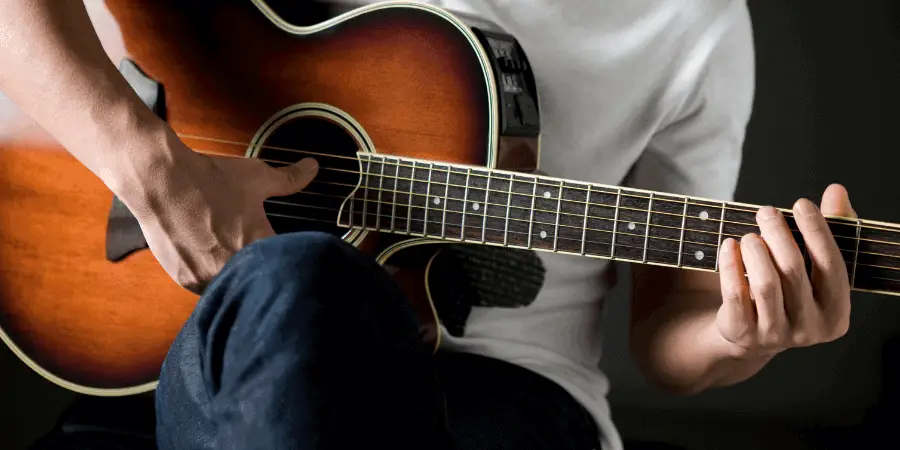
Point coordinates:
pixel 493 207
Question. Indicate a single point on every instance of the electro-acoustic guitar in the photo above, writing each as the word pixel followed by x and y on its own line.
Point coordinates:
pixel 426 129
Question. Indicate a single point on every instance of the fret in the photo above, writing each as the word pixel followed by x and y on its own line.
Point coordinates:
pixel 465 206
pixel 421 183
pixel 409 208
pixel 666 231
pixel 546 211
pixel 427 198
pixel 531 218
pixel 446 201
pixel 394 202
pixel 380 192
pixel 647 227
pixel 365 215
pixel 721 228
pixel 587 209
pixel 856 254
pixel 471 208
pixel 508 209
pixel 559 196
pixel 487 193
pixel 612 246
pixel 681 239
pixel 455 203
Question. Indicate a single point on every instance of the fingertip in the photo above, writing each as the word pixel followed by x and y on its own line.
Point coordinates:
pixel 836 201
pixel 308 165
pixel 750 238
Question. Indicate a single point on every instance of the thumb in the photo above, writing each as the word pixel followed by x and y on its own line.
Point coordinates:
pixel 291 179
pixel 836 202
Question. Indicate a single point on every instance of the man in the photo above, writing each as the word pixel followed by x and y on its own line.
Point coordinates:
pixel 660 91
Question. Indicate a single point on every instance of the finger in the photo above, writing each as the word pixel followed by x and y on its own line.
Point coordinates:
pixel 836 202
pixel 788 261
pixel 737 317
pixel 290 179
pixel 765 286
pixel 829 271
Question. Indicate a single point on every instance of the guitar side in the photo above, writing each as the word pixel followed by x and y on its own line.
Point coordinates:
pixel 411 77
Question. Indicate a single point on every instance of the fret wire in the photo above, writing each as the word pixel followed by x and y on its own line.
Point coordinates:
pixel 681 239
pixel 462 229
pixel 394 206
pixel 446 198
pixel 647 228
pixel 587 204
pixel 409 208
pixel 366 195
pixel 380 192
pixel 721 228
pixel 508 203
pixel 615 224
pixel 531 220
pixel 559 197
pixel 856 253
pixel 427 199
pixel 484 221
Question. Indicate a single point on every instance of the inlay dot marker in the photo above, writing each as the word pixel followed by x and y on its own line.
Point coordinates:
pixel 543 235
pixel 631 225
pixel 547 194
pixel 475 206
pixel 437 201
pixel 704 215
pixel 699 255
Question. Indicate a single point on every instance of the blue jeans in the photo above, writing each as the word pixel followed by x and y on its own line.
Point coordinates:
pixel 303 342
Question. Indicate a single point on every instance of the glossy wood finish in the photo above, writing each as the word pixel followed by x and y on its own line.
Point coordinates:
pixel 409 77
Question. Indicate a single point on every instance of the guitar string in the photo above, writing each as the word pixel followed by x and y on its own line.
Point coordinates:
pixel 607 219
pixel 846 221
pixel 380 218
pixel 600 205
pixel 800 245
pixel 485 217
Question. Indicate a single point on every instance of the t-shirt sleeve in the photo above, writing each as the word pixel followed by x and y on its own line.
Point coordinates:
pixel 698 151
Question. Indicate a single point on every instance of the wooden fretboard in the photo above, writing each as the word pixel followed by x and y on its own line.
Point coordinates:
pixel 477 205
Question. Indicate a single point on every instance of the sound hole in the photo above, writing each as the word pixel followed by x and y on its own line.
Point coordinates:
pixel 316 207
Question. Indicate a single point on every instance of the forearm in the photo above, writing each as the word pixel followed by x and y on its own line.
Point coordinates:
pixel 679 348
pixel 52 65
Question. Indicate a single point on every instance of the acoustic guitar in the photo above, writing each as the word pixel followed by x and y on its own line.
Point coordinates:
pixel 426 128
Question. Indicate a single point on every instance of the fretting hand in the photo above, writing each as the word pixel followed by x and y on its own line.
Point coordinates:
pixel 777 305
pixel 196 211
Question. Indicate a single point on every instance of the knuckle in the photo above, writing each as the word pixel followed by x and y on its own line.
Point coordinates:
pixel 801 338
pixel 794 272
pixel 766 288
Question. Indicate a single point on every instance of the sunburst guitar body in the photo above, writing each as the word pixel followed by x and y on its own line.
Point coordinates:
pixel 251 79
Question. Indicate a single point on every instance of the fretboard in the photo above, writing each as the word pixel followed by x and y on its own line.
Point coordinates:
pixel 478 205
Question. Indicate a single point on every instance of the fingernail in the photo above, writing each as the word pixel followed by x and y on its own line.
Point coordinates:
pixel 727 246
pixel 767 213
pixel 805 207
pixel 308 165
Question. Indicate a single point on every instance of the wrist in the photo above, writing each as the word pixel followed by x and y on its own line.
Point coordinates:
pixel 138 153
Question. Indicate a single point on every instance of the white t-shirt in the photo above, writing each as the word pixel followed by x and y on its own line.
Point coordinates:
pixel 660 90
